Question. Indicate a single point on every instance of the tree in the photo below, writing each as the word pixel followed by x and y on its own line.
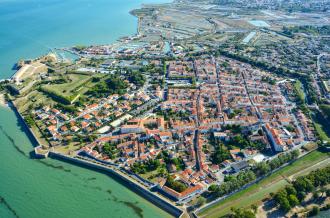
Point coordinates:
pixel 301 196
pixel 262 168
pixel 213 188
pixel 29 120
pixel 315 210
pixel 295 154
pixel 221 154
pixel 290 190
pixel 328 192
pixel 281 199
pixel 293 200
pixel 201 201
pixel 285 205
pixel 175 185
pixel 96 79
pixel 316 195
pixel 162 171
pixel 254 207
pixel 137 78
pixel 303 184
pixel 242 213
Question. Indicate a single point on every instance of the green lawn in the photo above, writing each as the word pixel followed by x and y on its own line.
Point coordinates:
pixel 322 134
pixel 299 89
pixel 75 85
pixel 30 100
pixel 147 175
pixel 321 126
pixel 257 192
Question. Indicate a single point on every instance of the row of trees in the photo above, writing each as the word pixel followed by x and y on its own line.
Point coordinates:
pixel 67 108
pixel 29 120
pixel 240 213
pixel 295 193
pixel 233 183
pixel 322 30
pixel 263 168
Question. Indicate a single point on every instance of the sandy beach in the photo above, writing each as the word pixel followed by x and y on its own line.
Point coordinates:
pixel 2 100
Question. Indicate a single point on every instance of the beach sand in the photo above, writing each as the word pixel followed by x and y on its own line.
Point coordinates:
pixel 2 100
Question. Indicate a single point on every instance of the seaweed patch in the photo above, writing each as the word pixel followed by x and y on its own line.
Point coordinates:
pixel 92 178
pixel 135 208
pixel 3 201
pixel 13 142
pixel 59 167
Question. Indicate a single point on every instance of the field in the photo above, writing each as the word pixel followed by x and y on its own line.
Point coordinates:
pixel 299 89
pixel 74 84
pixel 321 126
pixel 322 134
pixel 65 88
pixel 32 99
pixel 261 190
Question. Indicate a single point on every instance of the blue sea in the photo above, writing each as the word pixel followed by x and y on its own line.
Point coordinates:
pixel 30 28
pixel 32 188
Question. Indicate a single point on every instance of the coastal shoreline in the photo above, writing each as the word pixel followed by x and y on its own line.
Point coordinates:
pixel 3 102
pixel 28 131
pixel 122 178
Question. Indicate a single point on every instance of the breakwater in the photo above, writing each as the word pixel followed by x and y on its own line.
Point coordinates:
pixel 123 179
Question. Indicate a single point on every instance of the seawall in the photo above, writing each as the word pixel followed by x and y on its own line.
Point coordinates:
pixel 120 177
pixel 137 188
pixel 34 140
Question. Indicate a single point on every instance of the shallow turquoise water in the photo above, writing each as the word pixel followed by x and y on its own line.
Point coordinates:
pixel 50 188
pixel 33 188
pixel 323 214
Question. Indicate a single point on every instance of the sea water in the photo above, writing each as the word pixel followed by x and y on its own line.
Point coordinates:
pixel 49 188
